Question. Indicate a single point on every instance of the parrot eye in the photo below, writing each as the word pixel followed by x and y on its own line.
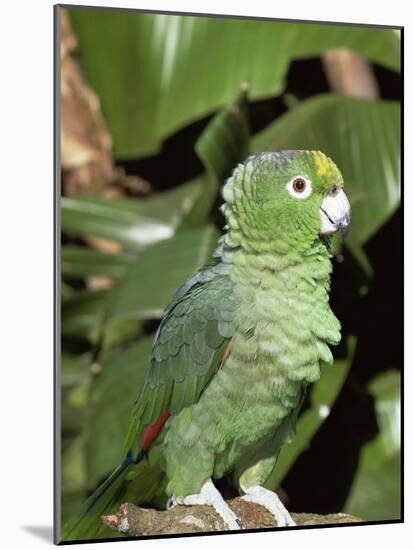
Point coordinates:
pixel 299 187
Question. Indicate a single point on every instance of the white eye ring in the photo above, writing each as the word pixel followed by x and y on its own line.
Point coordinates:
pixel 299 187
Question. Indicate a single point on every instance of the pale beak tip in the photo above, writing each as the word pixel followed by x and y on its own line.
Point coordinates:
pixel 344 225
pixel 335 214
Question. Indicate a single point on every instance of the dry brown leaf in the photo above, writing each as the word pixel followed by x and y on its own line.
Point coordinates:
pixel 350 74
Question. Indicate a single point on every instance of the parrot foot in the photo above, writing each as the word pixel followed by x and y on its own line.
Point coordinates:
pixel 210 495
pixel 270 501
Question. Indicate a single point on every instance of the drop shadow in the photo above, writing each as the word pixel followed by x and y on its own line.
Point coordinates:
pixel 43 532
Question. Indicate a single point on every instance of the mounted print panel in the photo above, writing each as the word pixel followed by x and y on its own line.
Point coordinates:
pixel 229 346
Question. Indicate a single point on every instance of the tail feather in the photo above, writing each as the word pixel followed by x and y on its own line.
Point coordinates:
pixel 135 480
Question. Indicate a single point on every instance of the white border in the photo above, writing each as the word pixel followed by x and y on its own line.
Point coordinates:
pixel 26 305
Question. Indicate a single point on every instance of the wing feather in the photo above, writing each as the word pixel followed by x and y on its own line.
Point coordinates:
pixel 188 347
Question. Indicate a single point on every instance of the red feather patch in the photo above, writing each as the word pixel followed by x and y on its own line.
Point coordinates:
pixel 153 430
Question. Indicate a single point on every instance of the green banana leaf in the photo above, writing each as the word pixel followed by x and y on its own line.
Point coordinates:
pixel 66 291
pixel 376 490
pixel 111 400
pixel 222 144
pixel 362 137
pixel 135 223
pixel 157 73
pixel 73 475
pixel 75 384
pixel 225 140
pixel 74 369
pixel 156 274
pixel 78 262
pixel 82 314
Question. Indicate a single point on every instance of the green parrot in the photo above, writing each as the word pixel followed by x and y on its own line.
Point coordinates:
pixel 240 342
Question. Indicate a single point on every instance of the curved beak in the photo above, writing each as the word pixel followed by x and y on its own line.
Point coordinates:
pixel 335 213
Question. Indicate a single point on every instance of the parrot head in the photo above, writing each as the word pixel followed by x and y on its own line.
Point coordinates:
pixel 288 198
